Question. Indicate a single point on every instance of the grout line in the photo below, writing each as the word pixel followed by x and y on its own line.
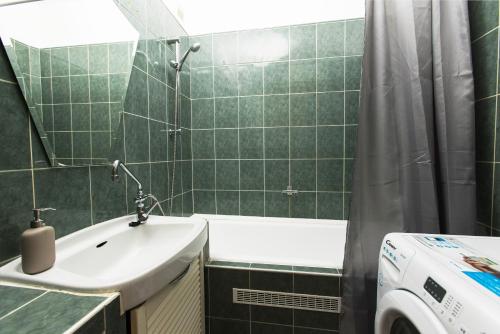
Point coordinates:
pixel 344 130
pixel 316 125
pixel 493 171
pixel 215 150
pixel 238 124
pixel 289 127
pixel 23 305
pixel 263 109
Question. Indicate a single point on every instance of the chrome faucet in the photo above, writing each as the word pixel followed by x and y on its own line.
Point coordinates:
pixel 141 210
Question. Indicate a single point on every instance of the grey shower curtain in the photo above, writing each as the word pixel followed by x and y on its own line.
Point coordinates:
pixel 414 168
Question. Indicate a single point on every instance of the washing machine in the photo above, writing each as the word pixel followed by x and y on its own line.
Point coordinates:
pixel 436 284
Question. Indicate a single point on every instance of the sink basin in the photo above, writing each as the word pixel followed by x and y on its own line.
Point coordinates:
pixel 111 256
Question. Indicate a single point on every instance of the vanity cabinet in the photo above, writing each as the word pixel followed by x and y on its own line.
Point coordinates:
pixel 178 308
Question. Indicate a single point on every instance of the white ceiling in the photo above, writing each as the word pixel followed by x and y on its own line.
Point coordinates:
pixel 206 16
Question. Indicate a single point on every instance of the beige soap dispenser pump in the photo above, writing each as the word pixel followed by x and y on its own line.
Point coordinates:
pixel 38 245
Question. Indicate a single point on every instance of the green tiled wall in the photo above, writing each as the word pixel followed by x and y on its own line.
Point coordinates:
pixel 86 195
pixel 78 92
pixel 484 22
pixel 272 108
pixel 83 89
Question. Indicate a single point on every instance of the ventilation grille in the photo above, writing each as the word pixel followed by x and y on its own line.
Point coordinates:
pixel 287 300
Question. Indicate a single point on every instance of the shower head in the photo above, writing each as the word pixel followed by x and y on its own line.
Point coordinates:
pixel 178 65
pixel 195 47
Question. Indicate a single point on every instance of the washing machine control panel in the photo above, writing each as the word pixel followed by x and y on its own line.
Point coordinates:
pixel 434 289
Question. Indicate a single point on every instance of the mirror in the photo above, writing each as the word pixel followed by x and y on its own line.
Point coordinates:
pixel 72 59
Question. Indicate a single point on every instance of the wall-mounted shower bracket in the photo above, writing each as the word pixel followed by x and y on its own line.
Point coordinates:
pixel 172 132
pixel 290 192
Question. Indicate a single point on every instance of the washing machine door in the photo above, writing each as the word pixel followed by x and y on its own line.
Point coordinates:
pixel 402 312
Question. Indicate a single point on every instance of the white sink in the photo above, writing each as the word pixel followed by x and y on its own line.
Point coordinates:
pixel 111 256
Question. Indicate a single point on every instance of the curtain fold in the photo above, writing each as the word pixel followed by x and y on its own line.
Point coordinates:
pixel 415 161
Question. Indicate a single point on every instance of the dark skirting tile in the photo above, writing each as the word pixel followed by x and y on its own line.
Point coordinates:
pixel 222 282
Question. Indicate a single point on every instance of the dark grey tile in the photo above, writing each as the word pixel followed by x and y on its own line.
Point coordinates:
pixel 330 175
pixel 250 79
pixel 303 41
pixel 252 203
pixel 271 281
pixel 350 141
pixel 226 81
pixel 110 203
pixel 157 100
pixel 484 175
pixel 276 110
pixel 203 144
pixel 251 111
pixel 115 324
pixel 60 89
pixel 228 264
pixel 330 74
pixel 276 143
pixel 354 37
pixel 202 82
pixel 204 174
pixel 330 39
pixel 225 48
pixel 251 174
pixel 226 112
pixel 485 125
pixel 330 205
pixel 303 205
pixel 222 282
pixel 319 270
pixel 14 297
pixel 302 142
pixel 268 266
pixel 276 204
pixel 72 198
pixel 351 107
pixel 303 174
pixel 225 326
pixel 158 138
pixel 80 89
pixel 331 108
pixel 276 78
pixel 93 325
pixel 98 58
pixel 227 174
pixel 227 202
pixel 45 313
pixel 99 88
pixel 136 100
pixel 483 17
pixel 303 76
pixel 136 143
pixel 203 114
pixel 226 143
pixel 276 174
pixel 251 143
pixel 318 320
pixel 15 147
pixel 204 202
pixel 265 328
pixel 303 109
pixel 305 330
pixel 16 214
pixel 485 61
pixel 204 56
pixel 330 141
pixel 353 72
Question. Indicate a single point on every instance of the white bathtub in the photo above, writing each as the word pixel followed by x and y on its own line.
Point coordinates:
pixel 286 241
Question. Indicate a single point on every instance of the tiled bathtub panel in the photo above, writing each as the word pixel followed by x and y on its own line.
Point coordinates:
pixel 278 114
pixel 222 314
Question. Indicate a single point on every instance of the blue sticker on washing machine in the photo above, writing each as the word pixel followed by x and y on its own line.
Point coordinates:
pixel 487 280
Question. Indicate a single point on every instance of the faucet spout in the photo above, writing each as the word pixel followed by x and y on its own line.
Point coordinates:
pixel 115 176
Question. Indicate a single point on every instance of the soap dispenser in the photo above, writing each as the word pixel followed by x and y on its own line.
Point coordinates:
pixel 38 245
